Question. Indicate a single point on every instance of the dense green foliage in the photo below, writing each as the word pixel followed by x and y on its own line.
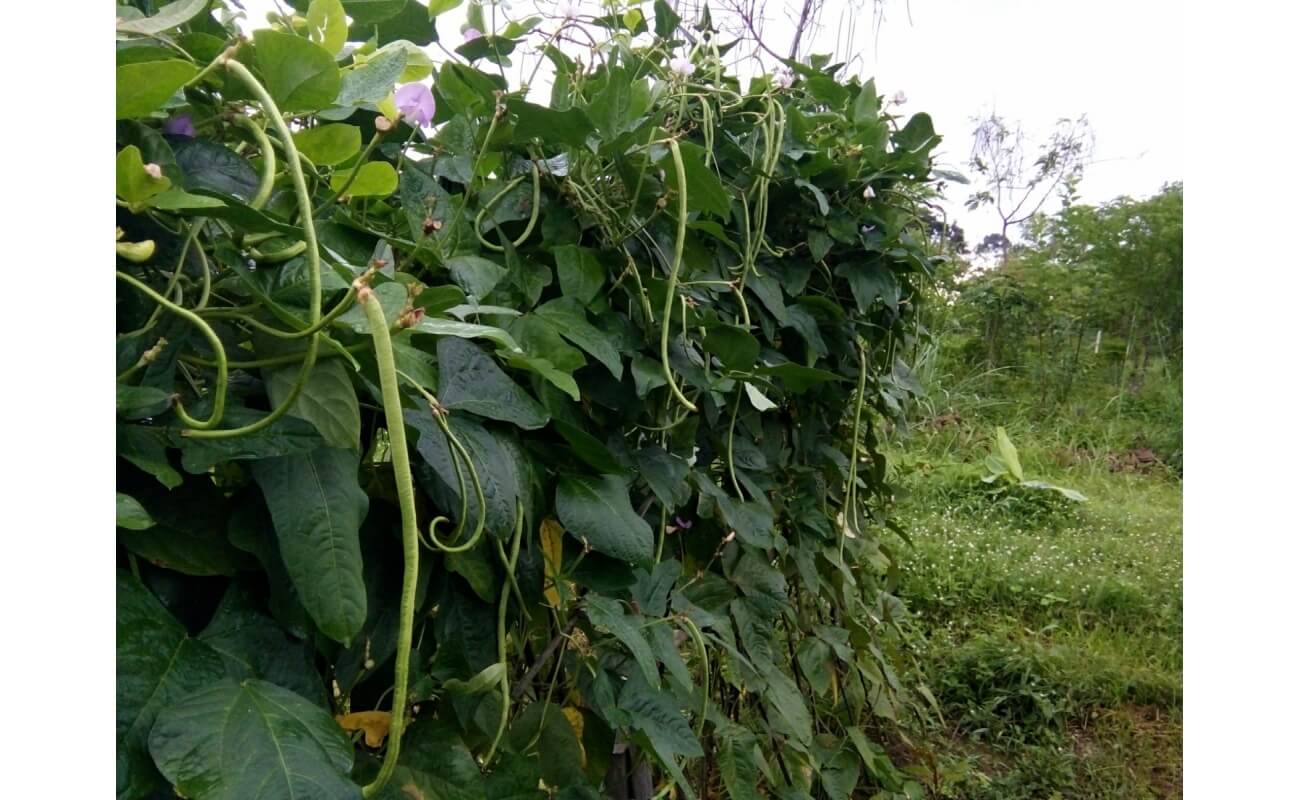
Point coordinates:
pixel 543 445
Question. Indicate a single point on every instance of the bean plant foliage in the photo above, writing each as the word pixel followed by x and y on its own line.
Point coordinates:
pixel 475 447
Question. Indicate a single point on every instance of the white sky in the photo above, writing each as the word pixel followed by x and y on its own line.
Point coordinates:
pixel 1033 61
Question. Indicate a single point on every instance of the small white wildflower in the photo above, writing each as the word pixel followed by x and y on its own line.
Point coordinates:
pixel 899 98
pixel 682 66
pixel 868 193
pixel 784 79
pixel 154 170
pixel 568 9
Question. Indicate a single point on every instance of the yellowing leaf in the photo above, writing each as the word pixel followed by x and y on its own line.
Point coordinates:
pixel 373 723
pixel 553 554
pixel 574 716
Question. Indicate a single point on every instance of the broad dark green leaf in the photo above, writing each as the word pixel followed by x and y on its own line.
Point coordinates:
pixel 471 381
pixel 570 126
pixel 656 714
pixel 190 534
pixel 815 662
pixel 738 761
pixel 210 165
pixel 581 274
pixel 255 741
pixel 141 88
pixel 141 402
pixel 870 282
pixel 317 507
pixel 609 614
pixel 157 665
pixel 751 521
pixel 252 645
pixel 369 12
pixel 327 401
pixel 440 766
pixel 798 378
pixel 498 470
pixel 917 136
pixel 597 511
pixel 666 475
pixel 666 20
pixel 146 448
pixel 734 346
pixel 704 191
pixel 477 276
pixel 301 76
pixel 568 317
pixel 286 436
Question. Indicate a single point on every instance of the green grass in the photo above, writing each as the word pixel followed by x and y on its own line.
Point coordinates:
pixel 1049 632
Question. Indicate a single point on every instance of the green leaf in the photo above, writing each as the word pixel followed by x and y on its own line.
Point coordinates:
pixel 437 7
pixel 476 275
pixel 798 378
pixel 210 165
pixel 131 515
pixel 146 448
pixel 1007 452
pixel 656 714
pixel 301 76
pixel 597 511
pixel 466 330
pixel 489 678
pixel 141 402
pixel 870 282
pixel 666 475
pixel 757 399
pixel 497 467
pixel 917 136
pixel 252 645
pixel 738 761
pixel 327 25
pixel 704 192
pixel 734 346
pixel 568 317
pixel 141 88
pixel 666 20
pixel 822 204
pixel 609 614
pixel 369 12
pixel 440 766
pixel 560 380
pixel 751 521
pixel 255 741
pixel 157 665
pixel 782 697
pixel 327 401
pixel 374 179
pixel 172 15
pixel 472 381
pixel 815 660
pixel 555 742
pixel 866 106
pixel 317 507
pixel 581 274
pixel 588 448
pixel 569 127
pixel 329 145
pixel 134 184
pixel 373 80
pixel 285 436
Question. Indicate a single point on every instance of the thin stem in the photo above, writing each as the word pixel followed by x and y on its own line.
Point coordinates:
pixel 272 112
pixel 219 393
pixel 532 217
pixel 509 564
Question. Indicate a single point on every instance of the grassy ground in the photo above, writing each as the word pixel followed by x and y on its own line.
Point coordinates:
pixel 1050 632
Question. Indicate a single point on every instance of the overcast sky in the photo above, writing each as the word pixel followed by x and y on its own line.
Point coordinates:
pixel 1033 61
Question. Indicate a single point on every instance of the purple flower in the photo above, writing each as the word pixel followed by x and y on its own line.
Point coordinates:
pixel 415 101
pixel 472 33
pixel 683 524
pixel 180 125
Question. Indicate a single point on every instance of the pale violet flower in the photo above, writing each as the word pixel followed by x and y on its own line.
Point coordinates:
pixel 568 9
pixel 899 98
pixel 180 125
pixel 472 33
pixel 415 101
pixel 784 79
pixel 682 66
pixel 153 170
